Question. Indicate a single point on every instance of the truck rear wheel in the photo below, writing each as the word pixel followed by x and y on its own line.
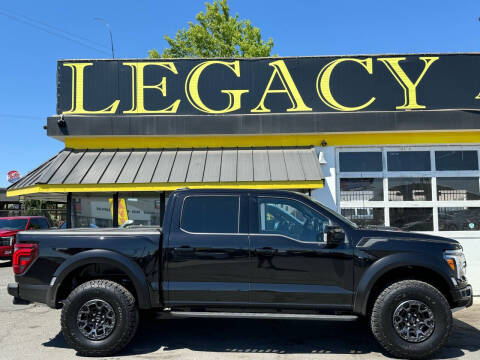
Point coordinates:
pixel 411 319
pixel 99 318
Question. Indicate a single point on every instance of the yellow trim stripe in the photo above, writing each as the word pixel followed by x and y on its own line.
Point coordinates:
pixel 337 139
pixel 64 188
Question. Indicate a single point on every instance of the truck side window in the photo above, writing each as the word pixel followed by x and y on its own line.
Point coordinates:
pixel 37 223
pixel 211 214
pixel 290 218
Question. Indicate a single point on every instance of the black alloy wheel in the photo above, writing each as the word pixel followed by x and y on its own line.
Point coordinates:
pixel 411 319
pixel 99 318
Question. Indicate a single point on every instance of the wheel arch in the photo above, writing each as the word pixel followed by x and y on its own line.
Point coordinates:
pixel 395 268
pixel 101 257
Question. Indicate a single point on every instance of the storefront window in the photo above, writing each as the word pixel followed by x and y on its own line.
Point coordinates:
pixel 409 189
pixel 365 216
pixel 92 211
pixel 421 188
pixel 142 209
pixel 455 219
pixel 360 161
pixel 456 160
pixel 458 189
pixel 408 160
pixel 412 219
pixel 364 189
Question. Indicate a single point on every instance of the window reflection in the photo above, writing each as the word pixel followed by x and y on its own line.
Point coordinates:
pixel 92 211
pixel 409 189
pixel 458 219
pixel 457 188
pixel 365 216
pixel 412 219
pixel 290 218
pixel 367 189
pixel 142 209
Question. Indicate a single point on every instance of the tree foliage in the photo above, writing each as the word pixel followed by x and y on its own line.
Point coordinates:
pixel 216 34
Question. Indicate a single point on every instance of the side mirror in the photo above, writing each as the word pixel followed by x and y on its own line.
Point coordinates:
pixel 333 235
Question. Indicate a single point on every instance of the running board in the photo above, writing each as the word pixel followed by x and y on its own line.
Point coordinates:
pixel 236 315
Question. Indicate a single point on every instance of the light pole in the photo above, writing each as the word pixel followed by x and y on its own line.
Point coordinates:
pixel 109 31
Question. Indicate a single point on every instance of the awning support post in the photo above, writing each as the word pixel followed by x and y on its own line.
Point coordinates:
pixel 162 207
pixel 115 210
pixel 69 210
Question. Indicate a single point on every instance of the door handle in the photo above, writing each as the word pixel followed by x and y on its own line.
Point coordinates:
pixel 266 251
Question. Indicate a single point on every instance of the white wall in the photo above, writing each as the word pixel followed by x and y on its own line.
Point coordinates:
pixel 327 195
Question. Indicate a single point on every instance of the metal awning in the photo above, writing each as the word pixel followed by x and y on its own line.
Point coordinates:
pixel 97 170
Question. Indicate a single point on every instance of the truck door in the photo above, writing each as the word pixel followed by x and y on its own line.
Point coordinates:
pixel 291 265
pixel 208 251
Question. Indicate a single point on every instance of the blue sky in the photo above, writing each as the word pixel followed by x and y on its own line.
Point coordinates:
pixel 303 27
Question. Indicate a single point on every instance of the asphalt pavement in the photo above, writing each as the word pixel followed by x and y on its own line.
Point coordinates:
pixel 33 332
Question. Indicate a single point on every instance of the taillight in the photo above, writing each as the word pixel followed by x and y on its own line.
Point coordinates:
pixel 23 256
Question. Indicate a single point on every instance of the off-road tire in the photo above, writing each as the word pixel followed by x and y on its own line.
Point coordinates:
pixel 126 312
pixel 381 320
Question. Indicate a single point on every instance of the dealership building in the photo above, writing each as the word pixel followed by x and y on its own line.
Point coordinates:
pixel 389 140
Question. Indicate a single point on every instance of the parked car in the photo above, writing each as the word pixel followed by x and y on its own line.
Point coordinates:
pixel 245 253
pixel 10 226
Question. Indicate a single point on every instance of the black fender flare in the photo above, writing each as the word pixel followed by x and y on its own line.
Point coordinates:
pixel 99 256
pixel 389 263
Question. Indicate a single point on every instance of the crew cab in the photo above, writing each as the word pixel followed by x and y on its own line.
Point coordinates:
pixel 10 226
pixel 244 253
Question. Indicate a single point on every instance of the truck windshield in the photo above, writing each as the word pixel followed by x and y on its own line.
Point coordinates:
pixel 13 224
pixel 334 213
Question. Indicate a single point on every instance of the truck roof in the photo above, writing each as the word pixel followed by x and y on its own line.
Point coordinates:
pixel 258 191
pixel 21 217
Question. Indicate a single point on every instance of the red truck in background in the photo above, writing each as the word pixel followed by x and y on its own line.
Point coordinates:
pixel 10 226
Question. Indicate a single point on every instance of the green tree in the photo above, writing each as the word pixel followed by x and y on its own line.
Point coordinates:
pixel 217 34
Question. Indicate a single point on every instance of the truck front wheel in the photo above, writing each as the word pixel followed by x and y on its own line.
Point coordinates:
pixel 99 318
pixel 411 319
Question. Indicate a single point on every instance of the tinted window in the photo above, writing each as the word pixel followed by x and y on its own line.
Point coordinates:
pixel 36 223
pixel 459 219
pixel 13 224
pixel 290 218
pixel 365 216
pixel 408 161
pixel 210 214
pixel 456 160
pixel 412 219
pixel 457 189
pixel 410 189
pixel 364 189
pixel 360 161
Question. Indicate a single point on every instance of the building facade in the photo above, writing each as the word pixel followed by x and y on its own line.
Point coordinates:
pixel 390 141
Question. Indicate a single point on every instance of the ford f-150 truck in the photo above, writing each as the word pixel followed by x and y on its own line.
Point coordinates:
pixel 244 253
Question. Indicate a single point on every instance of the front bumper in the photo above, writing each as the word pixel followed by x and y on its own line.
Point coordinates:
pixel 462 297
pixel 32 293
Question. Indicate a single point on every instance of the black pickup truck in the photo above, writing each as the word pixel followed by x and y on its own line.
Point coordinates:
pixel 244 253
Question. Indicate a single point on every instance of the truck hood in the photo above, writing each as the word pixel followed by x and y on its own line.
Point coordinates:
pixel 370 235
pixel 5 232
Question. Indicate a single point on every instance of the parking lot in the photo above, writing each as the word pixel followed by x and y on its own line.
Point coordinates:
pixel 33 332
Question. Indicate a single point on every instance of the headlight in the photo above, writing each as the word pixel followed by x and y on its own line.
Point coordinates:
pixel 456 260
